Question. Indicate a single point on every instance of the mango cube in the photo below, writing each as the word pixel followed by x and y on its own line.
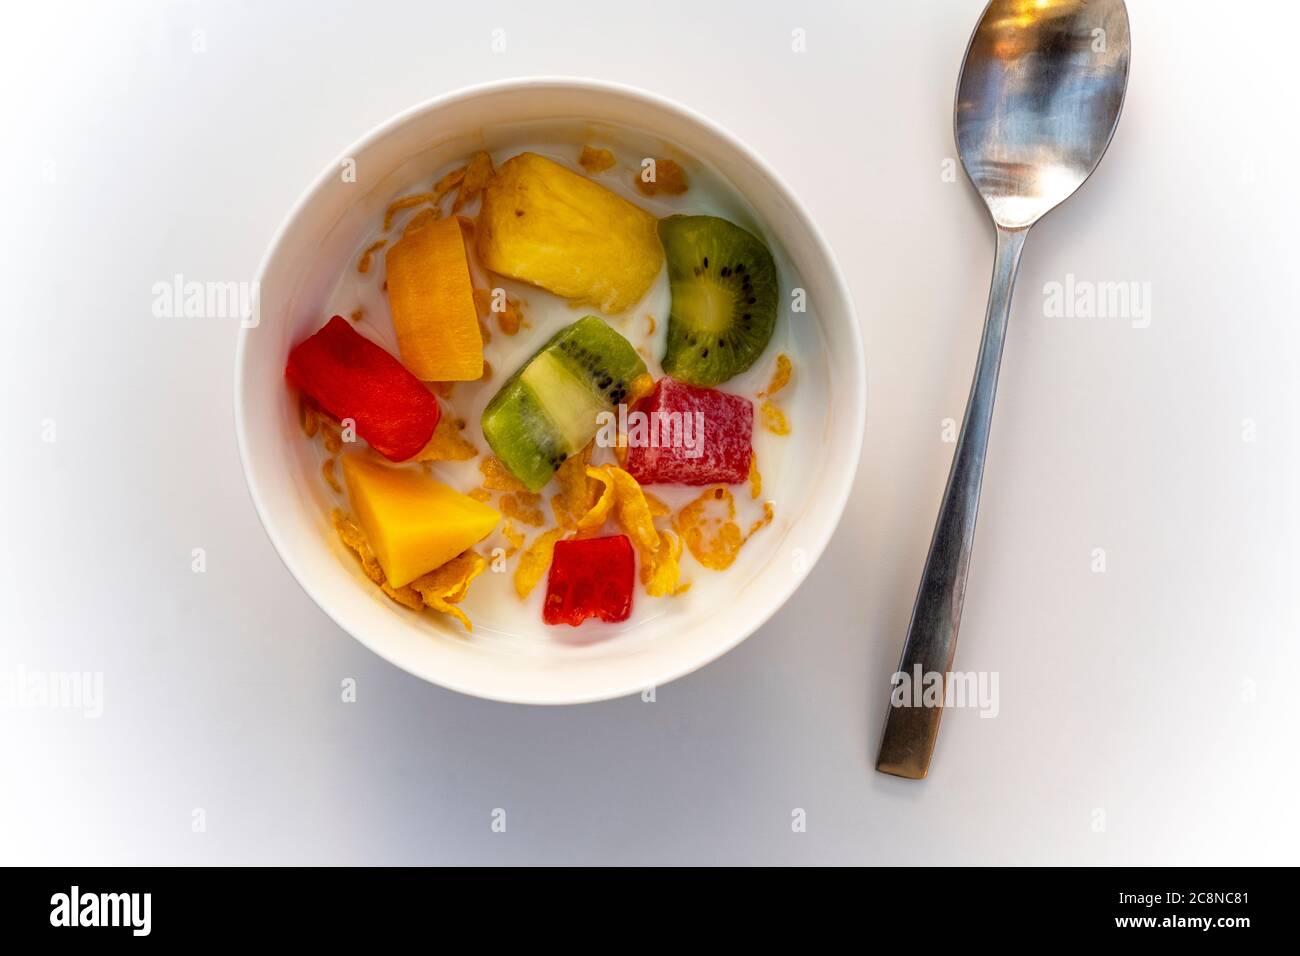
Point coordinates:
pixel 413 523
pixel 549 226
pixel 432 298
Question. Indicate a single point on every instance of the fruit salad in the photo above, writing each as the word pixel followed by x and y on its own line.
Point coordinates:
pixel 552 371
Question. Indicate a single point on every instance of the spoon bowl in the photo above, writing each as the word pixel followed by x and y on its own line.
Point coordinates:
pixel 1038 101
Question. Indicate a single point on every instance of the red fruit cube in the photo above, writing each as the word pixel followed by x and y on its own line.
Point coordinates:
pixel 691 436
pixel 590 577
pixel 351 377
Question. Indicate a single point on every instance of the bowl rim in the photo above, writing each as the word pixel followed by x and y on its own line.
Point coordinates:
pixel 857 413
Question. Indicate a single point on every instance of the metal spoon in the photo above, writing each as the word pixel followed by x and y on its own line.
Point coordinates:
pixel 1038 100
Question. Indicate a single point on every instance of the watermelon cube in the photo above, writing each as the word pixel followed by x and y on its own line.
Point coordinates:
pixel 590 577
pixel 690 436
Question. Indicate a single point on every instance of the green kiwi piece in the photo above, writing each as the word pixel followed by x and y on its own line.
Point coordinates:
pixel 547 409
pixel 522 435
pixel 724 290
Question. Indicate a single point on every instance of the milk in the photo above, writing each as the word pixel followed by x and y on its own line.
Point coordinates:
pixel 788 464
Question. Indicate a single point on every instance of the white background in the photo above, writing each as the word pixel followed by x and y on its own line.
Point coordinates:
pixel 1146 712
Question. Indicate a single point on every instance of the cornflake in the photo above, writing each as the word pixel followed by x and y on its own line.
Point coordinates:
pixel 448 182
pixel 708 527
pixel 406 595
pixel 445 587
pixel 309 418
pixel 669 178
pixel 331 435
pixel 577 491
pixel 440 589
pixel 524 507
pixel 780 376
pixel 514 538
pixel 363 264
pixel 535 561
pixel 447 443
pixel 350 534
pixel 774 419
pixel 477 175
pixel 497 477
pixel 640 387
pixel 632 511
pixel 406 202
pixel 425 215
pixel 635 511
pixel 661 570
pixel 510 319
pixel 599 511
pixel 595 160
pixel 327 472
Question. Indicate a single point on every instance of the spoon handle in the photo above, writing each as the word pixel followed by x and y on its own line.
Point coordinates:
pixel 912 728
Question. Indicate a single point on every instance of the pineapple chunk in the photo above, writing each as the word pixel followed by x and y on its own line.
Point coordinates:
pixel 432 300
pixel 413 523
pixel 548 226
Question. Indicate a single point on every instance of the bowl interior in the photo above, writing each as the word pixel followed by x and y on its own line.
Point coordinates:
pixel 321 239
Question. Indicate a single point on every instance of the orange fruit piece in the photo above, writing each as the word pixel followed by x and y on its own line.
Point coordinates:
pixel 432 300
pixel 412 523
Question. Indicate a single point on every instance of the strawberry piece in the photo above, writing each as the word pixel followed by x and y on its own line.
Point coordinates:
pixel 351 377
pixel 720 455
pixel 590 577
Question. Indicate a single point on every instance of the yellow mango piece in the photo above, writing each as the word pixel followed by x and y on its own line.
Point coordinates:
pixel 432 300
pixel 412 523
pixel 549 226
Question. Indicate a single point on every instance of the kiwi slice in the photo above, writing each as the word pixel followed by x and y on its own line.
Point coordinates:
pixel 547 410
pixel 724 289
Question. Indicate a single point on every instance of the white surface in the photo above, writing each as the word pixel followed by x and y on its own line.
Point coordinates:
pixel 1157 692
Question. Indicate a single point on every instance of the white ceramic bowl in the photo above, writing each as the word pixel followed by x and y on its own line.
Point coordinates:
pixel 318 240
